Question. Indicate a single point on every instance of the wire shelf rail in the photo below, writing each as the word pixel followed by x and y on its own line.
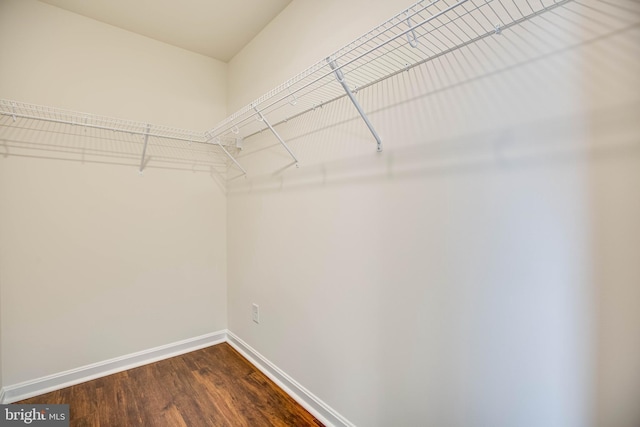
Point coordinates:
pixel 17 110
pixel 20 110
pixel 420 33
pixel 423 32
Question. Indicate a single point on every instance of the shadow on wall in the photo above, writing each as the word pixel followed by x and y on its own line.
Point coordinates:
pixel 540 144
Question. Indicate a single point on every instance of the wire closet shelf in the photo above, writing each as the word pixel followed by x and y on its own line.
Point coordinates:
pixel 15 110
pixel 420 33
pixel 20 110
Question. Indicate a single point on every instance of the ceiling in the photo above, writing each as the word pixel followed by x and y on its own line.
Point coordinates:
pixel 215 28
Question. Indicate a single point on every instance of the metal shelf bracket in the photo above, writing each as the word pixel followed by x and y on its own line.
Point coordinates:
pixel 144 150
pixel 266 122
pixel 217 141
pixel 340 77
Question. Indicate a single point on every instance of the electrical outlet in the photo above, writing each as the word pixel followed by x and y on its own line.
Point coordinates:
pixel 255 313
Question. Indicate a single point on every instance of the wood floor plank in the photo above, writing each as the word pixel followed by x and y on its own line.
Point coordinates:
pixel 214 386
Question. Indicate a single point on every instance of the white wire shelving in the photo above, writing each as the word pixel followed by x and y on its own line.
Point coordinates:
pixel 423 32
pixel 15 110
pixel 420 33
pixel 20 110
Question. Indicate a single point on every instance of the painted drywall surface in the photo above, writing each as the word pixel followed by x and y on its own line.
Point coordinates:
pixel 482 270
pixel 57 58
pixel 612 82
pixel 97 262
pixel 299 44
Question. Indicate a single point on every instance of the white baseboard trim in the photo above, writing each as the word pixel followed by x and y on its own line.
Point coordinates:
pixel 304 397
pixel 25 390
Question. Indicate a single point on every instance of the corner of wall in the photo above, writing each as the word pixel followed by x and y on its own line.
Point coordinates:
pixel 318 408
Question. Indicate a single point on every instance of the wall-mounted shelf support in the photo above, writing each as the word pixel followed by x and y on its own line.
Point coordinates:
pixel 144 150
pixel 340 77
pixel 217 141
pixel 266 122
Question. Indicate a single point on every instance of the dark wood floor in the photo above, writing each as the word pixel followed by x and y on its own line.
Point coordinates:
pixel 215 386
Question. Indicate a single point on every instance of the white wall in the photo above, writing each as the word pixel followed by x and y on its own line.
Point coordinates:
pixel 54 57
pixel 95 261
pixel 483 269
